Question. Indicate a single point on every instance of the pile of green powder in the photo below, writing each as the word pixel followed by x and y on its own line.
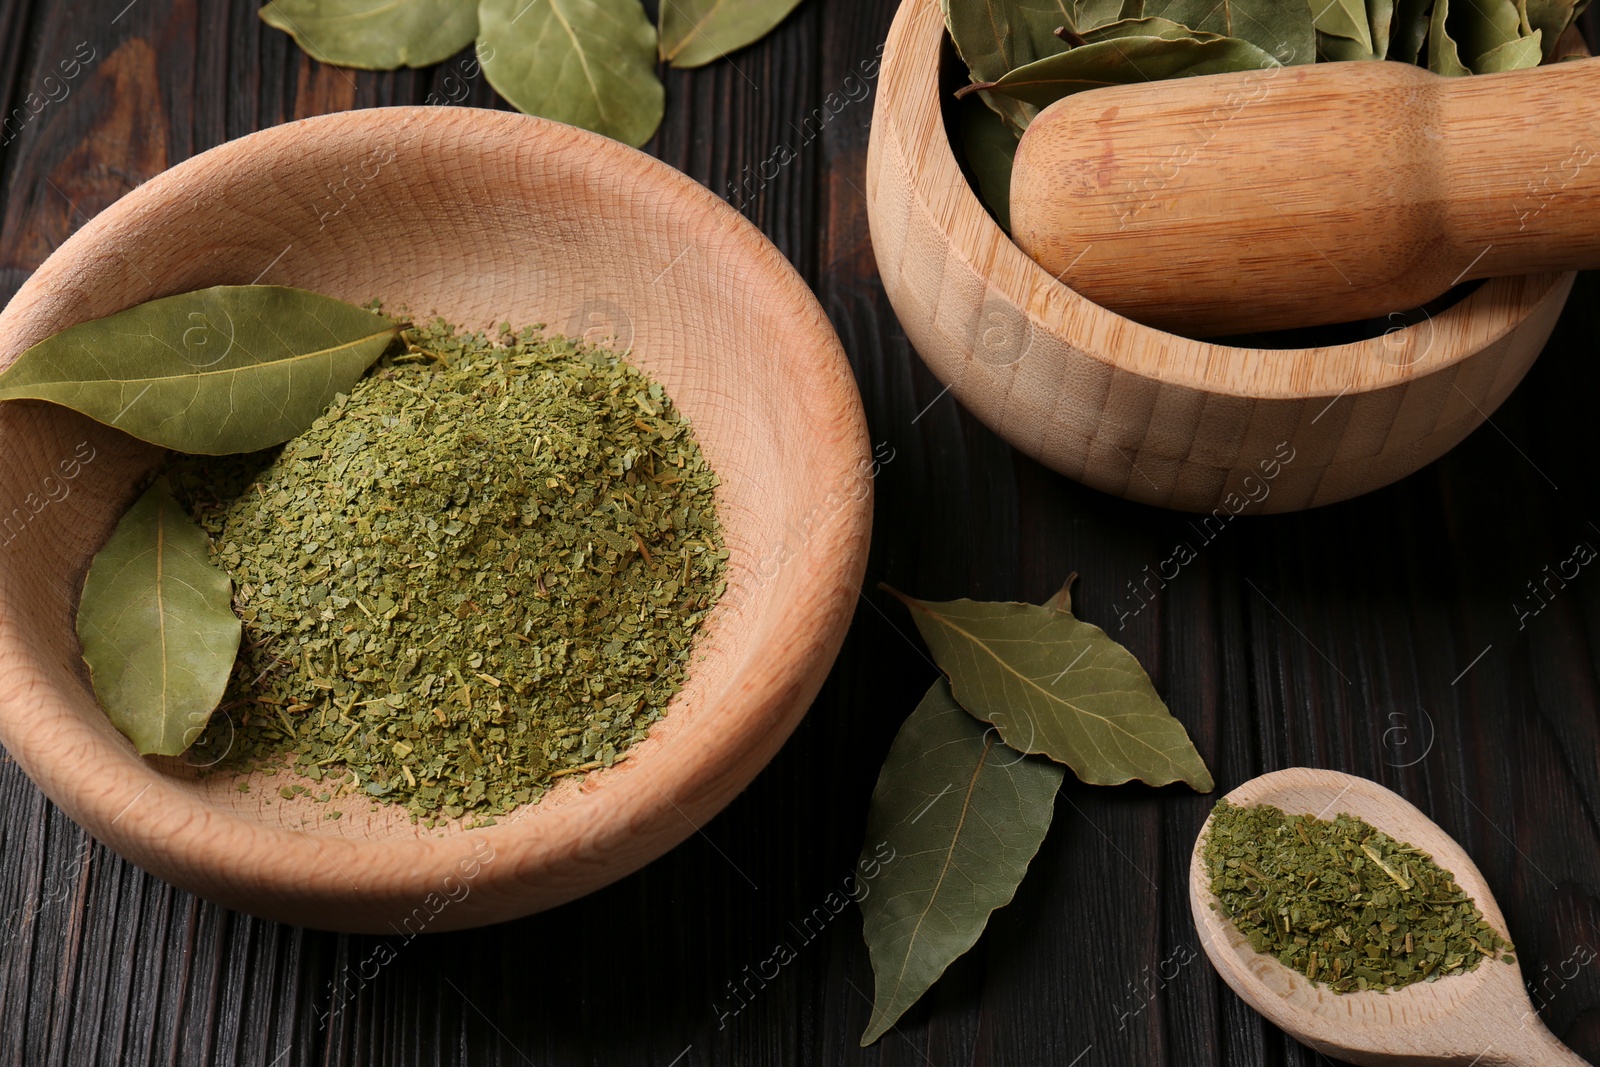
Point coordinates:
pixel 1342 902
pixel 480 571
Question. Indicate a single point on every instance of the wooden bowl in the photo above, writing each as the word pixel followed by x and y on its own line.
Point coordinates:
pixel 1144 414
pixel 480 216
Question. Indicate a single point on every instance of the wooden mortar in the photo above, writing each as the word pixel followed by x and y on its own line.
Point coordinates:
pixel 1145 414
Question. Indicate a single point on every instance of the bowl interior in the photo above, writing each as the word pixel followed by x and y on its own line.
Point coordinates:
pixel 479 217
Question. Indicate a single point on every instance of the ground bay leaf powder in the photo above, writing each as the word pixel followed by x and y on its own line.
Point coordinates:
pixel 1341 901
pixel 480 571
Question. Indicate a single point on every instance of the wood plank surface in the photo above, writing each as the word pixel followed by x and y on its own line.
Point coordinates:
pixel 1393 637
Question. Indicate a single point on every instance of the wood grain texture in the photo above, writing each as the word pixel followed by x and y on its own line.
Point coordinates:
pixel 1482 1016
pixel 1300 196
pixel 1152 416
pixel 1324 638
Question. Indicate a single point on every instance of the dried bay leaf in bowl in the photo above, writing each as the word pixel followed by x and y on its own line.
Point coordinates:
pixel 234 368
pixel 157 625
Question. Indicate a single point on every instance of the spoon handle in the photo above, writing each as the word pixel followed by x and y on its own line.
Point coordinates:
pixel 1543 1049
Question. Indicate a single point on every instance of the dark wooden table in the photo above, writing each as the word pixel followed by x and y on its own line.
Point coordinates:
pixel 1393 636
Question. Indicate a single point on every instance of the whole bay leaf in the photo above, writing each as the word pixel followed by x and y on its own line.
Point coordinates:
pixel 989 145
pixel 1053 684
pixel 1124 61
pixel 235 368
pixel 588 63
pixel 1411 19
pixel 1551 18
pixel 695 32
pixel 1444 57
pixel 1282 28
pixel 964 816
pixel 1343 18
pixel 376 34
pixel 157 626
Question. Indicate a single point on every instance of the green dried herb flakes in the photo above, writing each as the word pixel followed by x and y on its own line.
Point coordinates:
pixel 480 571
pixel 1341 902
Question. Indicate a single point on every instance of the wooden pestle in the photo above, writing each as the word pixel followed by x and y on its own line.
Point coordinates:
pixel 1298 196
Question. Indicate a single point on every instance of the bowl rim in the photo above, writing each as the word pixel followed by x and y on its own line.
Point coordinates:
pixel 909 109
pixel 226 856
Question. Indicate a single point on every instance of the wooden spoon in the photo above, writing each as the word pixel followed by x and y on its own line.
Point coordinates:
pixel 1296 196
pixel 1482 1017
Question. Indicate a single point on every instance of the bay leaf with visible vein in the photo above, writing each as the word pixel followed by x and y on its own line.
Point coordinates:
pixel 1444 56
pixel 376 34
pixel 1551 18
pixel 1484 28
pixel 1053 684
pixel 1282 28
pixel 588 63
pixel 157 626
pixel 1062 600
pixel 1343 50
pixel 1379 16
pixel 695 32
pixel 1124 61
pixel 995 36
pixel 235 368
pixel 965 816
pixel 989 146
pixel 1332 49
pixel 1146 26
pixel 1520 54
pixel 1343 18
pixel 1090 14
